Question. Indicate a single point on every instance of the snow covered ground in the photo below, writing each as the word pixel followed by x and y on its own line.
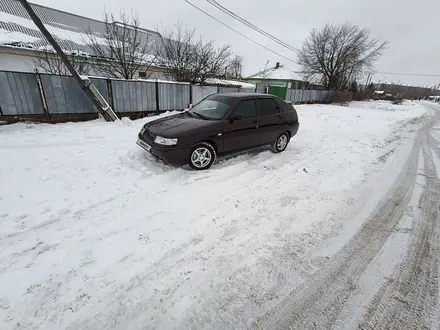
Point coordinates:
pixel 97 234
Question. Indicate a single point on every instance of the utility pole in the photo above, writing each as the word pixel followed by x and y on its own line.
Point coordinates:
pixel 85 84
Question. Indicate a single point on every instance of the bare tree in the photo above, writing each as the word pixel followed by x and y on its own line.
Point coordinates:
pixel 124 49
pixel 186 59
pixel 338 54
pixel 49 62
pixel 235 67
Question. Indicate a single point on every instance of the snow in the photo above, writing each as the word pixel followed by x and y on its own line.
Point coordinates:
pixel 98 234
pixel 224 82
pixel 7 37
pixel 281 73
pixel 79 38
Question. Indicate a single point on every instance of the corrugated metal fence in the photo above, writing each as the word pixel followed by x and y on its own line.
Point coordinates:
pixel 64 96
pixel 132 96
pixel 200 92
pixel 59 98
pixel 19 94
pixel 309 95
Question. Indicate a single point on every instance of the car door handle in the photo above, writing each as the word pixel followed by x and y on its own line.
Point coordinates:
pixel 255 121
pixel 280 116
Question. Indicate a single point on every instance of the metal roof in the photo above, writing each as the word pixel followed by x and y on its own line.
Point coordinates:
pixel 13 18
pixel 280 72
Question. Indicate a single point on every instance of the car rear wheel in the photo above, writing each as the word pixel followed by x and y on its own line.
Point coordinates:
pixel 281 143
pixel 202 156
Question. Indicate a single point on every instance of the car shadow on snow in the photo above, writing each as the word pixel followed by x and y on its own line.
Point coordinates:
pixel 248 157
pixel 154 165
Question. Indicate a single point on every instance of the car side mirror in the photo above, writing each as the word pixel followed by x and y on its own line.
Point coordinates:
pixel 236 116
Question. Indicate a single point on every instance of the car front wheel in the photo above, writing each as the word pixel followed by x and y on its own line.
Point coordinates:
pixel 281 143
pixel 202 156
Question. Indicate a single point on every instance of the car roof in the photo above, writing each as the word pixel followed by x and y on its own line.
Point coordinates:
pixel 237 95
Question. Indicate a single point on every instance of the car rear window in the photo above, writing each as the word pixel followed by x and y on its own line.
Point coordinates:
pixel 285 107
pixel 267 107
pixel 246 108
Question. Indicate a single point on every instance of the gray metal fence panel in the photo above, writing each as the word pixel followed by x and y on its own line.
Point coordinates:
pixel 289 95
pixel 19 94
pixel 247 90
pixel 101 86
pixel 318 96
pixel 200 92
pixel 65 96
pixel 261 89
pixel 131 96
pixel 228 89
pixel 173 96
pixel 306 95
pixel 293 95
pixel 300 95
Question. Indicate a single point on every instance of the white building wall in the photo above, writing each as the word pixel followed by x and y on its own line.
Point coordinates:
pixel 23 61
pixel 13 62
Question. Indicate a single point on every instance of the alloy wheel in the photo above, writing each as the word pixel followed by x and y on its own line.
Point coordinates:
pixel 282 142
pixel 201 157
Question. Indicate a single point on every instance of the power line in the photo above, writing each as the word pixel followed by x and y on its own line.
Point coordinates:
pixel 250 25
pixel 408 74
pixel 244 36
pixel 282 43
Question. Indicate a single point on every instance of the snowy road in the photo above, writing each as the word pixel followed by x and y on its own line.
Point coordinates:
pixel 98 235
pixel 407 297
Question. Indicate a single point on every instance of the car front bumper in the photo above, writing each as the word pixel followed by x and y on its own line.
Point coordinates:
pixel 173 155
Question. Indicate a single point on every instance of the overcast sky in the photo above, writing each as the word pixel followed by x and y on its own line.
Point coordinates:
pixel 411 27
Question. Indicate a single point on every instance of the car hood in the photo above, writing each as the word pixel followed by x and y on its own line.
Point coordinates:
pixel 182 125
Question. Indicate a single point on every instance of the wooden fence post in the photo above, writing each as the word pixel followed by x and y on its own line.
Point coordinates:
pixel 42 94
pixel 110 93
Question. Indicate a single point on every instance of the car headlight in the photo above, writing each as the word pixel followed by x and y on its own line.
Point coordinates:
pixel 165 141
pixel 142 130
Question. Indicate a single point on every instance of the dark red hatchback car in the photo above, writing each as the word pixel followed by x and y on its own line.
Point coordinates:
pixel 218 125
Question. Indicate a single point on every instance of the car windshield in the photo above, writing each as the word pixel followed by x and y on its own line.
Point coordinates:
pixel 213 107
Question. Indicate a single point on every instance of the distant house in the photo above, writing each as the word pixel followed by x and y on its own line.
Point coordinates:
pixel 378 94
pixel 277 80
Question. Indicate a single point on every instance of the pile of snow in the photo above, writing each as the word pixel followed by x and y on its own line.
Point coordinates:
pixel 96 233
pixel 386 105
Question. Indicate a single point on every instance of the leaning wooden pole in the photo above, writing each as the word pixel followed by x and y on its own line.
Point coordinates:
pixel 85 84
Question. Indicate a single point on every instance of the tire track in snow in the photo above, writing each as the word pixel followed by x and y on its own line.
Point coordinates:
pixel 318 303
pixel 408 301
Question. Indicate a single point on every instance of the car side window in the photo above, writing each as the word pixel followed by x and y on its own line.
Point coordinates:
pixel 247 108
pixel 267 107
